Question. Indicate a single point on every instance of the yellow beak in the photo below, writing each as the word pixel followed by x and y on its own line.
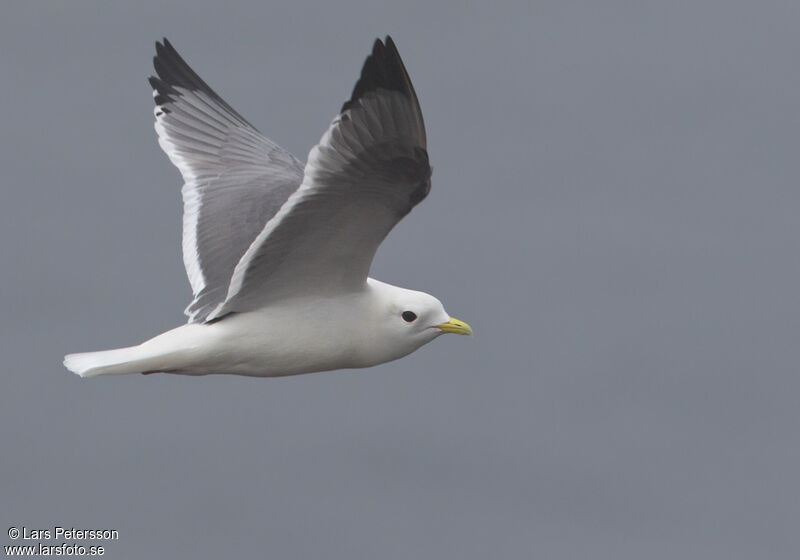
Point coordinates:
pixel 455 326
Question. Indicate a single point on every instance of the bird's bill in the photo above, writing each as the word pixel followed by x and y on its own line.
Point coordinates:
pixel 455 326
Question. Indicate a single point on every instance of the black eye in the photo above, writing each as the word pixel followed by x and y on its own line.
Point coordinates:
pixel 409 316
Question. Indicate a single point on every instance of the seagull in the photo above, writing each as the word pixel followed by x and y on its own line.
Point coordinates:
pixel 278 253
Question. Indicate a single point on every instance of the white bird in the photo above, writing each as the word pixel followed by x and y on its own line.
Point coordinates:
pixel 277 253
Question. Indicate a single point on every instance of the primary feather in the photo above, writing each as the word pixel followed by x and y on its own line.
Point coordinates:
pixel 235 179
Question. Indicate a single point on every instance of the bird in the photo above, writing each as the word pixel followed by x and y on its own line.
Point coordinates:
pixel 278 253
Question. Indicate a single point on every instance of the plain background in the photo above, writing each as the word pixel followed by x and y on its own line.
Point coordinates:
pixel 614 210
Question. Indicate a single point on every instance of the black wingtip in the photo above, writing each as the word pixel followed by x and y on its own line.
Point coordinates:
pixel 173 72
pixel 383 69
pixel 163 94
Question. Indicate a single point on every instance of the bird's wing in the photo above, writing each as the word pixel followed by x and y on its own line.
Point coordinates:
pixel 235 179
pixel 368 171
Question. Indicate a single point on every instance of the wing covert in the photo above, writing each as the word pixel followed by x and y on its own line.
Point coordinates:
pixel 368 171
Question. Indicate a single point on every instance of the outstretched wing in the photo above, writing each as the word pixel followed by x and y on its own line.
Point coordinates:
pixel 368 171
pixel 235 179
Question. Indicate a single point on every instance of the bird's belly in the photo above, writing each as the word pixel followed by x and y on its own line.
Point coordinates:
pixel 263 345
pixel 270 360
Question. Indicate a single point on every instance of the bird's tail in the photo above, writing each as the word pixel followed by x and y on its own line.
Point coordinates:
pixel 134 359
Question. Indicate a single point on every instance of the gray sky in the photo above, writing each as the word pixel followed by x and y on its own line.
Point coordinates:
pixel 614 211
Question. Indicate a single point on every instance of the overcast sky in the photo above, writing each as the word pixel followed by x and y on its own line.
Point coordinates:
pixel 614 210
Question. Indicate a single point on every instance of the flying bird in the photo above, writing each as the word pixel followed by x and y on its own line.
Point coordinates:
pixel 278 253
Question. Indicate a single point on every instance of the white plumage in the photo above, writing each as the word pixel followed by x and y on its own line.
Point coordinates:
pixel 278 254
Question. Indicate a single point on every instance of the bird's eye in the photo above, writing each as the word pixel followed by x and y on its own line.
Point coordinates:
pixel 409 316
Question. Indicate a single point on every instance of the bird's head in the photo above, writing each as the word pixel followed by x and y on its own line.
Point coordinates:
pixel 408 319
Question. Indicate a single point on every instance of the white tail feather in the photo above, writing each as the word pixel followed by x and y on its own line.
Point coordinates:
pixel 133 359
pixel 173 351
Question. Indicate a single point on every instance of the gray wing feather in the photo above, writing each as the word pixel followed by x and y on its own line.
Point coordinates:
pixel 235 179
pixel 368 171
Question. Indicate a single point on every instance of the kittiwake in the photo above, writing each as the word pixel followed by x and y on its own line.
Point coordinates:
pixel 277 252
